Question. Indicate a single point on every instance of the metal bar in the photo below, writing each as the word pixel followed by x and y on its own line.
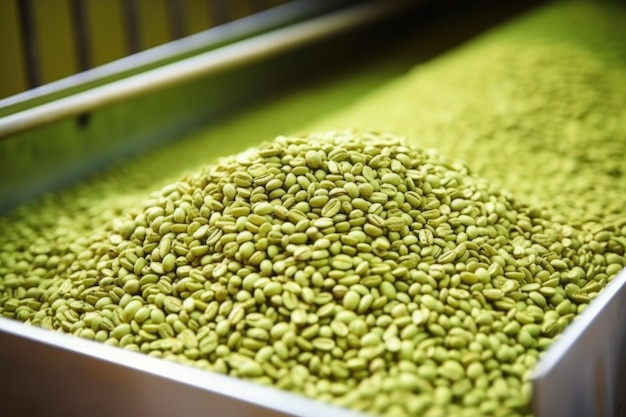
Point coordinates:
pixel 176 17
pixel 31 46
pixel 130 12
pixel 247 51
pixel 82 36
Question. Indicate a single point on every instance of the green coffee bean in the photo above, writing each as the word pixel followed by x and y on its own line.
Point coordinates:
pixel 336 265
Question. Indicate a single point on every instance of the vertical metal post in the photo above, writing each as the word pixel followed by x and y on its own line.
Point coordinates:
pixel 31 46
pixel 82 36
pixel 130 10
pixel 219 12
pixel 176 17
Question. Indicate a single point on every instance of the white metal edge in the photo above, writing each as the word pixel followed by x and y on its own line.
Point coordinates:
pixel 574 331
pixel 242 390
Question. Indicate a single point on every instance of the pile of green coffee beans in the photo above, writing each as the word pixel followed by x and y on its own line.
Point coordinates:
pixel 535 106
pixel 349 267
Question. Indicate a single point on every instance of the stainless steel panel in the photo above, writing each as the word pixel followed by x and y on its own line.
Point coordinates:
pixel 584 373
pixel 51 374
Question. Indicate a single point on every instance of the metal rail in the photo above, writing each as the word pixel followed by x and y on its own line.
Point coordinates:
pixel 221 59
pixel 225 32
pixel 129 13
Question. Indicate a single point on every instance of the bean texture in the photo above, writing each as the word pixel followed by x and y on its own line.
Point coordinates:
pixel 355 267
pixel 412 306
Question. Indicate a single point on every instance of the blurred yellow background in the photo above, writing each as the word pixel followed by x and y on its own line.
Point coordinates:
pixel 107 37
